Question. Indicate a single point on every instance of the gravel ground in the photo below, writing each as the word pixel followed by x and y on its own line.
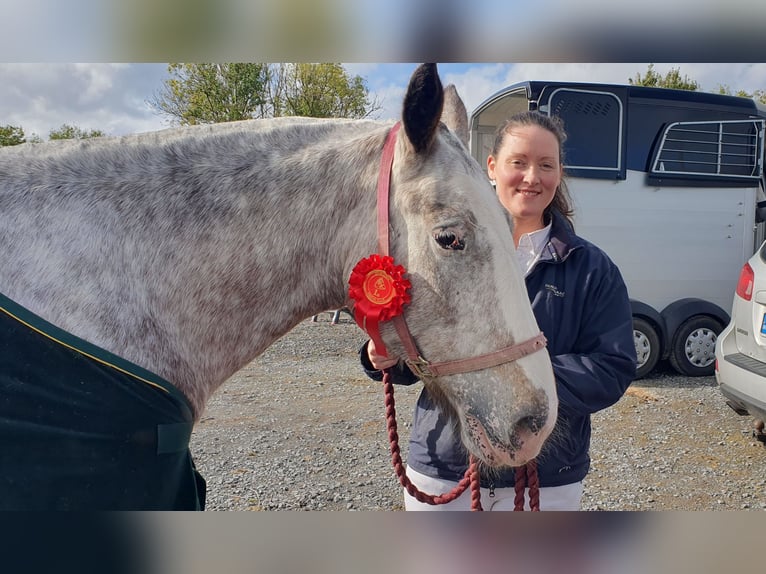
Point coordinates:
pixel 302 428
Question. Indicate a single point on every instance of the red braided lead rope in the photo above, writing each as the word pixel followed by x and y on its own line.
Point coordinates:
pixel 527 476
pixel 523 474
pixel 471 476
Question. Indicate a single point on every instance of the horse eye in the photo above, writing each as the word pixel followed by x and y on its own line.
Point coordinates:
pixel 448 240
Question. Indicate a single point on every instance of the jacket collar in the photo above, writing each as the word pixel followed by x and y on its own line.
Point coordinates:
pixel 562 240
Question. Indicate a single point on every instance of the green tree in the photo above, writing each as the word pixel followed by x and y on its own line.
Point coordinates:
pixel 210 93
pixel 72 132
pixel 325 91
pixel 758 95
pixel 672 79
pixel 11 135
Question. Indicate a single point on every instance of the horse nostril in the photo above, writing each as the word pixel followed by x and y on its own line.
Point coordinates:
pixel 533 423
pixel 534 413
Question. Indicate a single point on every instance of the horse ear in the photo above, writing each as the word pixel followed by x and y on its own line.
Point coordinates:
pixel 423 105
pixel 455 115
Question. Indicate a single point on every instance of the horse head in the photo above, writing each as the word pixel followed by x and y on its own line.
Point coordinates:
pixel 468 298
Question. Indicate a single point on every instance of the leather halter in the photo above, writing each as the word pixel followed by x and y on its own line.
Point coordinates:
pixel 421 367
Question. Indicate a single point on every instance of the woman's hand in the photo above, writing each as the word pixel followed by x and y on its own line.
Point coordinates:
pixel 378 361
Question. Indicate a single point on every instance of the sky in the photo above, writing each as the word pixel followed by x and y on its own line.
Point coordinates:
pixel 113 98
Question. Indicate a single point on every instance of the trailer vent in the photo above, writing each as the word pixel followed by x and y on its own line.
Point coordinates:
pixel 585 107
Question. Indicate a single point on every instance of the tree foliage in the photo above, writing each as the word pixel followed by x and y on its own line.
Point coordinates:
pixel 211 93
pixel 11 135
pixel 72 132
pixel 758 95
pixel 324 91
pixel 672 79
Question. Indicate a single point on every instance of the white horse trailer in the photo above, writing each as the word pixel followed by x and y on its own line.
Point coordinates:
pixel 670 183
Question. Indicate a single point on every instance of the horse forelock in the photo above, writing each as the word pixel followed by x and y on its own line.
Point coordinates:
pixel 448 176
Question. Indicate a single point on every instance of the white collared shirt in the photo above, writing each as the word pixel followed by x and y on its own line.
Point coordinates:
pixel 531 247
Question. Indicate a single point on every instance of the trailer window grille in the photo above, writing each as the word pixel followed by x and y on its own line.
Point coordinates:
pixel 721 149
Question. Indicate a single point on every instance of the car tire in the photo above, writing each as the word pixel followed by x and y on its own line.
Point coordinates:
pixel 693 350
pixel 647 343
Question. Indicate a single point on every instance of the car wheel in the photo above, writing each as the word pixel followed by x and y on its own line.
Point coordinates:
pixel 647 344
pixel 693 352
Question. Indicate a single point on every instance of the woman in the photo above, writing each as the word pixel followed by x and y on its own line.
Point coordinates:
pixel 581 304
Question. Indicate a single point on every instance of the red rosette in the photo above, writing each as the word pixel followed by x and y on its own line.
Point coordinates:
pixel 379 289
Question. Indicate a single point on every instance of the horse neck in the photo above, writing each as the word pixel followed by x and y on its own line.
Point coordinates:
pixel 275 258
pixel 189 256
pixel 292 246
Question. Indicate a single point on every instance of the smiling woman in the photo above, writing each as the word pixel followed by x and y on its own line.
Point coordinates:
pixel 527 172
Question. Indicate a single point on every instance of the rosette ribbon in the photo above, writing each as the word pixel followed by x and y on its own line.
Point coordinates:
pixel 380 292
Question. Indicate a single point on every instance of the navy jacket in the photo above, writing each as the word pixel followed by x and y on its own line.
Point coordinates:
pixel 581 304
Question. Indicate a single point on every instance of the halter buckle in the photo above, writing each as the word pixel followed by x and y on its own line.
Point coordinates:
pixel 421 368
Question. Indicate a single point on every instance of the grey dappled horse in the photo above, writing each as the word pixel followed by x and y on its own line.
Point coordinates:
pixel 189 251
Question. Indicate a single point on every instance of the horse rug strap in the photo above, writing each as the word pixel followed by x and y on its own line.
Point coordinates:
pixel 83 429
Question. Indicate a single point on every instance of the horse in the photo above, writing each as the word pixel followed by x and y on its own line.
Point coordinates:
pixel 167 261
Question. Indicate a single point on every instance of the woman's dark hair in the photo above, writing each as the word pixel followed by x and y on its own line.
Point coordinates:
pixel 562 201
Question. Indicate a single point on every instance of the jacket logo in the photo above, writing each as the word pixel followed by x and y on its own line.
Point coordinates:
pixel 553 289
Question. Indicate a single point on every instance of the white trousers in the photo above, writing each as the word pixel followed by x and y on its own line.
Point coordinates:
pixel 567 497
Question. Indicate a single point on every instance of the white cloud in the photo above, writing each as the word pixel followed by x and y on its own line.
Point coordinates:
pixel 96 80
pixel 113 97
pixel 107 97
pixel 478 83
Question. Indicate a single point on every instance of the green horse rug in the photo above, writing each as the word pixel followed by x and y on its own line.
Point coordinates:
pixel 106 433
